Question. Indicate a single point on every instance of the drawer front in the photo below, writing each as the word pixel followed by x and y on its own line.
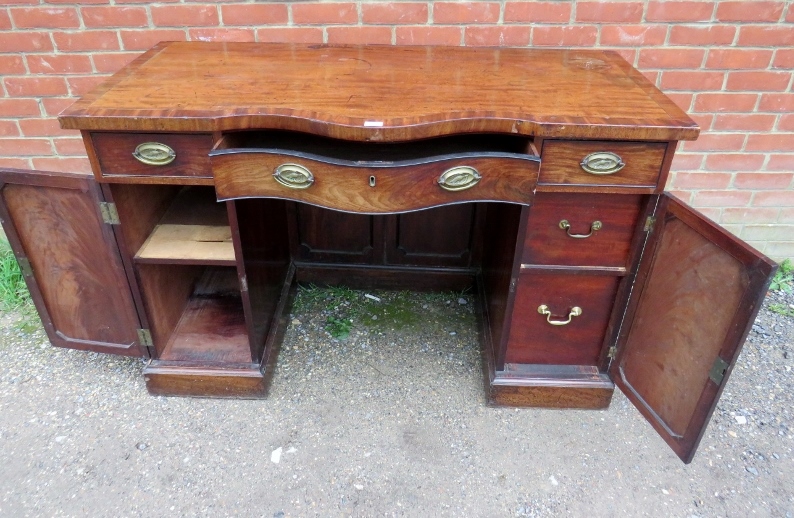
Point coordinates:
pixel 533 340
pixel 375 187
pixel 574 229
pixel 153 154
pixel 601 163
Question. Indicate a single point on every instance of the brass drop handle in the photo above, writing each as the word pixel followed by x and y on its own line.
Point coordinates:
pixel 459 178
pixel 595 225
pixel 543 309
pixel 602 162
pixel 154 153
pixel 293 176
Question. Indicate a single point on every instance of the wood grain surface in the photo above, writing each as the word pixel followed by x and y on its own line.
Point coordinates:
pixel 165 289
pixel 548 244
pixel 212 326
pixel 664 323
pixel 140 208
pixel 367 277
pixel 561 163
pixel 259 230
pixel 78 281
pixel 114 153
pixel 545 386
pixel 533 340
pixel 329 236
pixel 212 329
pixel 188 244
pixel 165 378
pixel 543 396
pixel 381 93
pixel 400 187
pixel 697 293
pixel 194 230
pixel 444 236
pixel 505 227
pixel 440 237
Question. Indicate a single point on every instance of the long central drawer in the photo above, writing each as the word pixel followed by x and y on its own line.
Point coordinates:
pixel 374 178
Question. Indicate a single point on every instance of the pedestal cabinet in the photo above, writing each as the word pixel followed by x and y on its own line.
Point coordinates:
pixel 225 173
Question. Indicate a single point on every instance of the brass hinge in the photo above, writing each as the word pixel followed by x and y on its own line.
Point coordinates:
pixel 613 351
pixel 717 372
pixel 243 283
pixel 24 265
pixel 649 222
pixel 109 213
pixel 145 337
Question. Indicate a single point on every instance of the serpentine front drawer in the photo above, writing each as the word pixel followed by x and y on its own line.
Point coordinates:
pixel 601 163
pixel 374 186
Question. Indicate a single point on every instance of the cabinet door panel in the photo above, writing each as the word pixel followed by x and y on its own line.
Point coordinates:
pixel 433 237
pixel 330 236
pixel 78 281
pixel 696 296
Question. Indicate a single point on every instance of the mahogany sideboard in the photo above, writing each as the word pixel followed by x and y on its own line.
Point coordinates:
pixel 225 173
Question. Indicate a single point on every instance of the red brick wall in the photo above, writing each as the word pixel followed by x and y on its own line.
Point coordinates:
pixel 728 63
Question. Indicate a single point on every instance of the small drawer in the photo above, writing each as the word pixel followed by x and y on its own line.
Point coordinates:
pixel 365 178
pixel 601 163
pixel 579 308
pixel 574 229
pixel 153 154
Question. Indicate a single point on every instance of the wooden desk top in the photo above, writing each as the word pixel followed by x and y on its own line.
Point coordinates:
pixel 381 93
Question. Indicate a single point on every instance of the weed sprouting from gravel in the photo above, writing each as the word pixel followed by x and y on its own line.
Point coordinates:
pixel 346 309
pixel 784 277
pixel 782 309
pixel 338 328
pixel 307 297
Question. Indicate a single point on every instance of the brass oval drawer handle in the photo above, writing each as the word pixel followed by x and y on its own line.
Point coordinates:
pixel 595 225
pixel 543 309
pixel 154 153
pixel 293 176
pixel 459 178
pixel 602 162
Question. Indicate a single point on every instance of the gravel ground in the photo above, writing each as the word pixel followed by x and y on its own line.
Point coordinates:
pixel 389 421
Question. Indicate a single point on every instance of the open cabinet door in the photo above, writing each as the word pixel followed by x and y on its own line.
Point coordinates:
pixel 70 260
pixel 697 292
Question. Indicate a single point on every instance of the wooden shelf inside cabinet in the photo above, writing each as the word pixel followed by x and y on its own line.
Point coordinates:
pixel 212 327
pixel 194 230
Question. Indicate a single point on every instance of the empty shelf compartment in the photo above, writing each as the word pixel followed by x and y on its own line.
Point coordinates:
pixel 194 230
pixel 212 328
